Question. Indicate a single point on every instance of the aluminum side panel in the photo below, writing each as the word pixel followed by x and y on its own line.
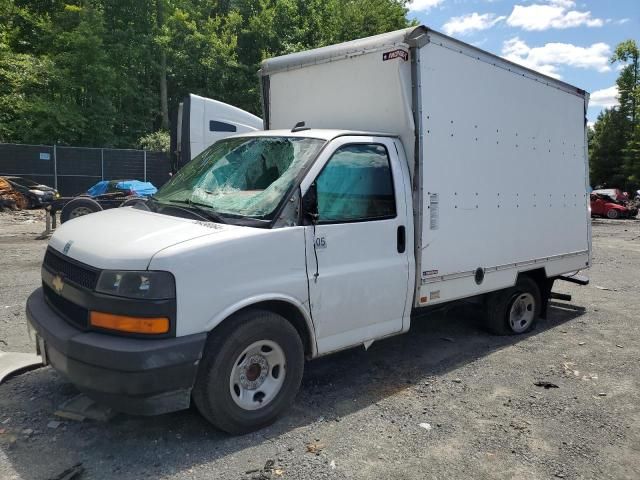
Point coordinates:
pixel 503 172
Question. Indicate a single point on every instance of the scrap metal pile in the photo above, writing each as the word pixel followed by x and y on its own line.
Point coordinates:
pixel 10 198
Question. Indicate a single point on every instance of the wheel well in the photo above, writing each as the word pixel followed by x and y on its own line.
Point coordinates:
pixel 291 313
pixel 545 285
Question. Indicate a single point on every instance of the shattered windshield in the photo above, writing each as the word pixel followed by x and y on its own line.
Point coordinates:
pixel 243 176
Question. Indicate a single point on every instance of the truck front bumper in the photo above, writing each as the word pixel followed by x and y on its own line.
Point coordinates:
pixel 131 375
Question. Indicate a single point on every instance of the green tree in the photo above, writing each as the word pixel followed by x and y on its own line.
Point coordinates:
pixel 363 18
pixel 83 83
pixel 132 54
pixel 108 72
pixel 629 79
pixel 23 75
pixel 156 142
pixel 606 143
pixel 614 142
pixel 629 98
pixel 55 87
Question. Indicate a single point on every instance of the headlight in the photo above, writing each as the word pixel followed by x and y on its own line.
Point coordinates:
pixel 142 285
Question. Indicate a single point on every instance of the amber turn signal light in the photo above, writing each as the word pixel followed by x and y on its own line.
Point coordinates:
pixel 123 323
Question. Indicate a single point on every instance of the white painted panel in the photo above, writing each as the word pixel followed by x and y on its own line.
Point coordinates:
pixel 204 110
pixel 505 156
pixel 237 267
pixel 361 93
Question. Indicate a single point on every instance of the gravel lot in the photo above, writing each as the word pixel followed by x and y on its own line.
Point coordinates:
pixel 446 400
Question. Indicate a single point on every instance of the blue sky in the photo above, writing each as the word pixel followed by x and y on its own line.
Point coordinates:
pixel 567 39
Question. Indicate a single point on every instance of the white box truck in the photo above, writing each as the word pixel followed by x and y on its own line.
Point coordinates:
pixel 427 171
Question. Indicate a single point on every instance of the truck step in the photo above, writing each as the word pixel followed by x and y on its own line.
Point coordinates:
pixel 561 296
pixel 579 279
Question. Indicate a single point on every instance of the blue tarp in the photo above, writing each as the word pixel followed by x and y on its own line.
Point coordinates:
pixel 141 189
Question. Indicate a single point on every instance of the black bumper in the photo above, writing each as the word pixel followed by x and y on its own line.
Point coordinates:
pixel 132 375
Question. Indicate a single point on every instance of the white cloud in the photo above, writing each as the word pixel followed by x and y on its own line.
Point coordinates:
pixel 552 14
pixel 471 22
pixel 590 124
pixel 622 21
pixel 607 97
pixel 563 3
pixel 480 42
pixel 551 56
pixel 423 5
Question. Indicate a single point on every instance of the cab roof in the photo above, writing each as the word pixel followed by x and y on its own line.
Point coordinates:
pixel 319 133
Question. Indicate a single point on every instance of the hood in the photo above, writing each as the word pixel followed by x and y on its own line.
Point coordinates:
pixel 44 188
pixel 127 238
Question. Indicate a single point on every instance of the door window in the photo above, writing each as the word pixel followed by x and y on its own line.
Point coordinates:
pixel 356 185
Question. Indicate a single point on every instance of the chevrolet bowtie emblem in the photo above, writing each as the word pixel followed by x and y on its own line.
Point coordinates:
pixel 58 284
pixel 67 246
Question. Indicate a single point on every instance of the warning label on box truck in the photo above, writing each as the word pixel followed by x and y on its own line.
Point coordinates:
pixel 399 53
pixel 434 211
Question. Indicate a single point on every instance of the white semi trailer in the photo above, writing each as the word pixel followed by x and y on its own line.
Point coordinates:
pixel 426 171
pixel 201 121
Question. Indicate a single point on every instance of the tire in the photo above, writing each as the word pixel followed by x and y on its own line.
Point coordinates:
pixel 233 402
pixel 79 207
pixel 515 310
pixel 135 202
pixel 613 213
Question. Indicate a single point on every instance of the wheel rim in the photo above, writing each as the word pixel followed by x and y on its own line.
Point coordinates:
pixel 79 212
pixel 522 312
pixel 257 375
pixel 612 213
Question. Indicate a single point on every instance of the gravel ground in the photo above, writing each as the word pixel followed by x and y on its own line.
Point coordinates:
pixel 446 400
pixel 20 259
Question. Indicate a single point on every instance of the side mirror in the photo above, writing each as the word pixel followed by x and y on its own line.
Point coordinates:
pixel 310 203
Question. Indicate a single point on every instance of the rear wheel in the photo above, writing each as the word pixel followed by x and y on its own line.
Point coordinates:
pixel 250 371
pixel 514 310
pixel 613 213
pixel 79 207
pixel 136 202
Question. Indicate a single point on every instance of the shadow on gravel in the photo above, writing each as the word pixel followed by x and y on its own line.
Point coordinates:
pixel 333 387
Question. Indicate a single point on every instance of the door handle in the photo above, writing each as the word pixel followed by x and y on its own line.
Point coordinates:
pixel 402 239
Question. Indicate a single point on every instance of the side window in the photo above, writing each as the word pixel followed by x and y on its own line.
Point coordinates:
pixel 356 184
pixel 215 126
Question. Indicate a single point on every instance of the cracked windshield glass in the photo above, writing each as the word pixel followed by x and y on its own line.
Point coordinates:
pixel 245 176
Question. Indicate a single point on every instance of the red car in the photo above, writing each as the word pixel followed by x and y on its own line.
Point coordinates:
pixel 604 206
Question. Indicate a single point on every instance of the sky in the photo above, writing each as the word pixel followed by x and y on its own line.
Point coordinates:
pixel 566 39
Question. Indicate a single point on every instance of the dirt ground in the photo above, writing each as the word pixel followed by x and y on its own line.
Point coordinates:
pixel 444 401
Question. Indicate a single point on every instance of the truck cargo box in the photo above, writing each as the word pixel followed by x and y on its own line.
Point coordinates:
pixel 497 152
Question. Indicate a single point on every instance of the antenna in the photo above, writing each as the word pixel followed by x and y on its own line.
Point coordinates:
pixel 299 127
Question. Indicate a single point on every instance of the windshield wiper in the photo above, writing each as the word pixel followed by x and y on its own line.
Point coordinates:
pixel 204 212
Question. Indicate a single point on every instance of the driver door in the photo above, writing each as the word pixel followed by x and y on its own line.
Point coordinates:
pixel 359 250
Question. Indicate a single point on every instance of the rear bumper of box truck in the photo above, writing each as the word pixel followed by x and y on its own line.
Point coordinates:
pixel 131 375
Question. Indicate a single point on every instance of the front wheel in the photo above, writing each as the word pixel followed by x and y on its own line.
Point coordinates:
pixel 514 310
pixel 612 213
pixel 250 371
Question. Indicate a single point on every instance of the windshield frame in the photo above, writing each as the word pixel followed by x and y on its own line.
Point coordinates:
pixel 274 216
